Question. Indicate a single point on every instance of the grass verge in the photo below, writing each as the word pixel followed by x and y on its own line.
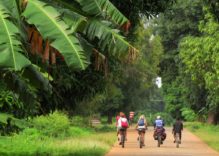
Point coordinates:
pixel 208 133
pixel 32 144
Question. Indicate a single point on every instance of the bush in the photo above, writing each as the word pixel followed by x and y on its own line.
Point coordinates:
pixel 56 124
pixel 105 128
pixel 188 114
pixel 193 126
pixel 80 121
pixel 78 132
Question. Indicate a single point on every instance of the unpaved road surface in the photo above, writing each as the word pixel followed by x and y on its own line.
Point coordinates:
pixel 191 146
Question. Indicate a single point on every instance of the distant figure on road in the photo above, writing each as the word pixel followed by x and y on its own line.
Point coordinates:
pixel 131 117
pixel 177 128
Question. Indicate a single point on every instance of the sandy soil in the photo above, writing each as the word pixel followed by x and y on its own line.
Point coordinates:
pixel 191 146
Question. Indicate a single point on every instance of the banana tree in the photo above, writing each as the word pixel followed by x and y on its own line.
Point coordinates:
pixel 37 33
pixel 54 29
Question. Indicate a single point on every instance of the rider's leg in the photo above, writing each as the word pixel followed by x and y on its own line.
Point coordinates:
pixel 143 133
pixel 126 134
pixel 120 138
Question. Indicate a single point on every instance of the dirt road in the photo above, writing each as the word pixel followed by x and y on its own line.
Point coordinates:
pixel 191 146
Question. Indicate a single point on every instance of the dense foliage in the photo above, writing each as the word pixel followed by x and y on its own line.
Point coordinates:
pixel 45 45
pixel 189 66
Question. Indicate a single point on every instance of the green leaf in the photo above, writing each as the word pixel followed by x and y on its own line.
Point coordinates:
pixel 47 21
pixel 10 46
pixel 36 78
pixel 109 39
pixel 104 8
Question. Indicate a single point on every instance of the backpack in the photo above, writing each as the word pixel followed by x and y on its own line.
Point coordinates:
pixel 141 122
pixel 124 123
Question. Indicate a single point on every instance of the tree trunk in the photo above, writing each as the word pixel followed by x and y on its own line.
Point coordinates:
pixel 110 118
pixel 211 117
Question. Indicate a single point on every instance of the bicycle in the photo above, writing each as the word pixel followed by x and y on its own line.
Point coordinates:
pixel 122 137
pixel 177 140
pixel 141 137
pixel 158 135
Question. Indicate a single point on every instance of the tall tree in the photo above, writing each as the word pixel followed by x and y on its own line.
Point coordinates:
pixel 180 20
pixel 200 56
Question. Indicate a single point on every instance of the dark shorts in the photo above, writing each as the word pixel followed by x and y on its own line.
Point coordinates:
pixel 141 130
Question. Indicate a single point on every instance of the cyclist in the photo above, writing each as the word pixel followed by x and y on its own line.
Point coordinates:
pixel 122 125
pixel 177 128
pixel 159 126
pixel 141 127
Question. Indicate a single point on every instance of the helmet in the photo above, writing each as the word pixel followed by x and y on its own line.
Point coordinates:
pixel 158 117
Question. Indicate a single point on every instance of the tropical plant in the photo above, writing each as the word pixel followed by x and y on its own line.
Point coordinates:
pixel 36 35
pixel 52 32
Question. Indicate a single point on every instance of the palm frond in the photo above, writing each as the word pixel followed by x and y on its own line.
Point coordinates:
pixel 109 39
pixel 48 22
pixel 76 21
pixel 10 46
pixel 104 8
pixel 36 78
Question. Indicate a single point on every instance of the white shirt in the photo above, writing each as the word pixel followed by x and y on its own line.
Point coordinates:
pixel 121 119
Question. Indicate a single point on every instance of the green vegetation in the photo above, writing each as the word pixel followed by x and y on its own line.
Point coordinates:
pixel 55 135
pixel 93 59
pixel 189 68
pixel 208 133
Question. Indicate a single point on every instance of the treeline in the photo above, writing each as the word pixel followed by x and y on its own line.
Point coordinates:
pixel 190 66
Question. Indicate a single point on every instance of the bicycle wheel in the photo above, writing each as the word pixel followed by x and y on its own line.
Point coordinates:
pixel 140 140
pixel 177 140
pixel 123 139
pixel 159 140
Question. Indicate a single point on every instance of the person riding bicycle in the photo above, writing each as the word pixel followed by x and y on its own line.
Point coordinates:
pixel 141 127
pixel 177 128
pixel 122 125
pixel 159 125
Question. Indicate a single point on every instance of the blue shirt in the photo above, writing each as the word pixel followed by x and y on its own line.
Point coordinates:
pixel 159 123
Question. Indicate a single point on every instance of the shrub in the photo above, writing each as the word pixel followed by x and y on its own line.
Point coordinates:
pixel 105 128
pixel 56 124
pixel 78 132
pixel 188 114
pixel 80 121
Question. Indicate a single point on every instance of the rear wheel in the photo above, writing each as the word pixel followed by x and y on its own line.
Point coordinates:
pixel 123 139
pixel 140 140
pixel 177 140
pixel 158 141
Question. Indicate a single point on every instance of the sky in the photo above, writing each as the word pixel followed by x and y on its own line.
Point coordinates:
pixel 158 82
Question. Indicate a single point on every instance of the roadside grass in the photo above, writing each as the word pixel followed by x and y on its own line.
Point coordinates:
pixel 208 133
pixel 57 135
pixel 84 144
